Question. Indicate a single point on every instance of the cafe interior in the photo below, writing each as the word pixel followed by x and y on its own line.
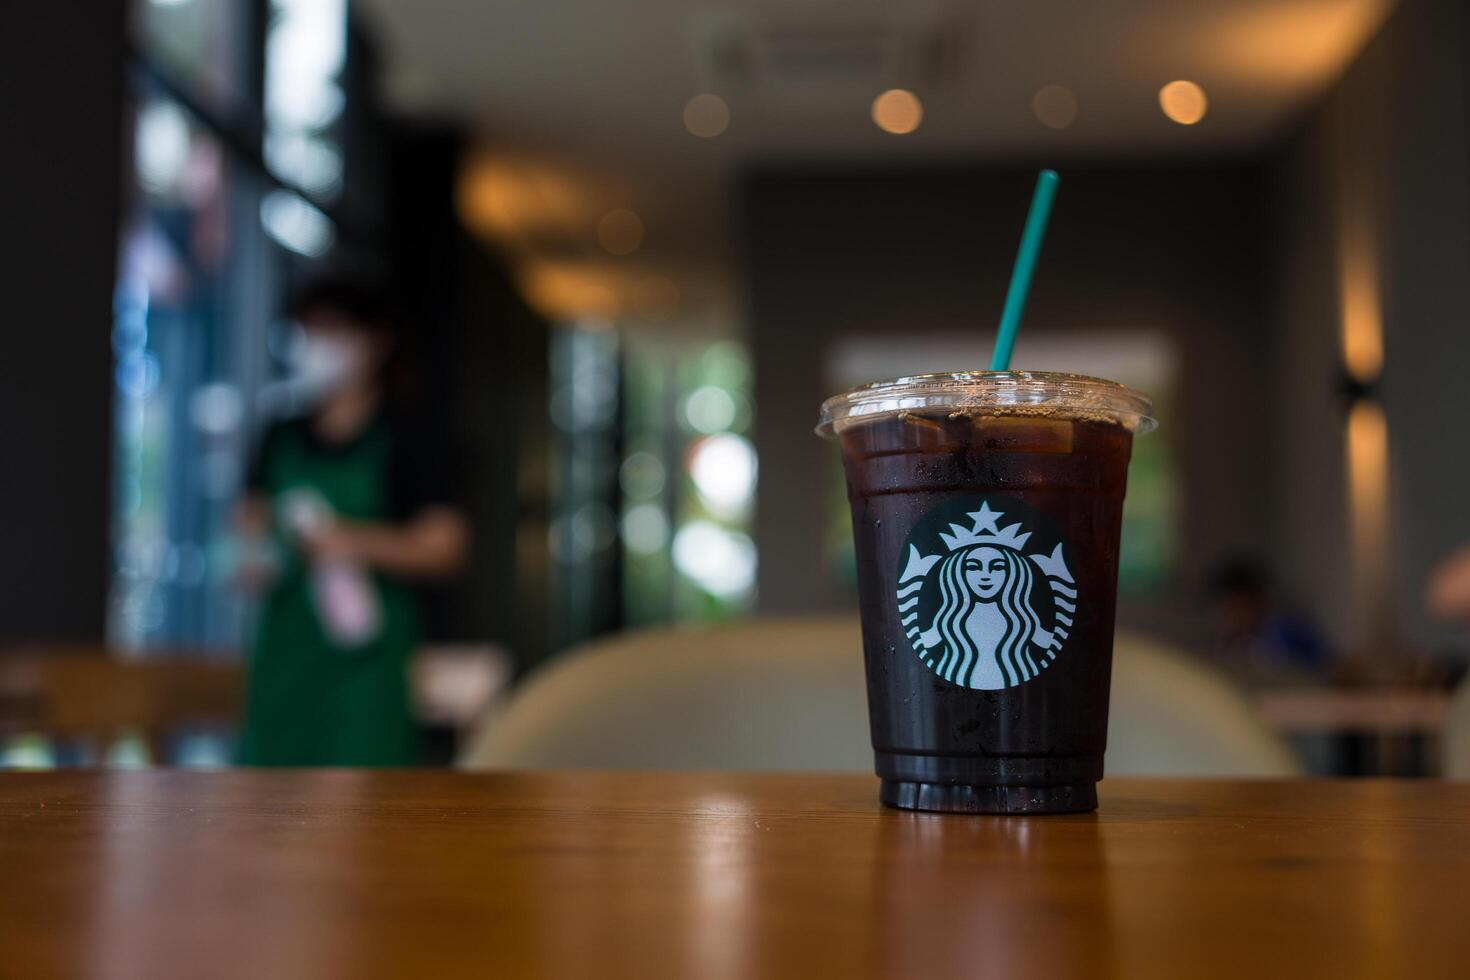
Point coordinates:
pixel 594 268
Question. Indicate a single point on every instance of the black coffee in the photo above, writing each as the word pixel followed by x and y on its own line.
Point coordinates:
pixel 987 552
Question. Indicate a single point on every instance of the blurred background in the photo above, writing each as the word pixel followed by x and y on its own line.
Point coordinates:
pixel 633 246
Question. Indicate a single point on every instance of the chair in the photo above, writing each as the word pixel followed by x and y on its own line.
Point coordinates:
pixel 789 694
pixel 1171 715
pixel 764 694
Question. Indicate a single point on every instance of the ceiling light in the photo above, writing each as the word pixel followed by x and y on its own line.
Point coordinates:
pixel 1183 102
pixel 898 111
pixel 1055 106
pixel 565 292
pixel 706 115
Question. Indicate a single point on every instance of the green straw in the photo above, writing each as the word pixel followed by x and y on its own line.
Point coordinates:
pixel 1010 318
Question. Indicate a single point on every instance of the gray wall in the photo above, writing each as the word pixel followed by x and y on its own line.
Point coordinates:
pixel 61 110
pixel 1181 249
pixel 1388 143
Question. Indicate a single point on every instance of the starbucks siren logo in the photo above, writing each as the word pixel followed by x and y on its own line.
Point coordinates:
pixel 983 612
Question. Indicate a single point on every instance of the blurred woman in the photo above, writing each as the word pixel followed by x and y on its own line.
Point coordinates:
pixel 354 501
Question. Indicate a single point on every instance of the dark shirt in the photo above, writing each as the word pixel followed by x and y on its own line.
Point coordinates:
pixel 1294 642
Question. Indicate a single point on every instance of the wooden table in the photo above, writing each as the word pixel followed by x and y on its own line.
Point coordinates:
pixel 440 874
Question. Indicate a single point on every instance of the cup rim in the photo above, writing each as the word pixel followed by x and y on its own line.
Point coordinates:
pixel 990 392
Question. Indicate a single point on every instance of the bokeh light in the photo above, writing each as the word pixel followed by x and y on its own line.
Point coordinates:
pixel 1183 102
pixel 720 561
pixel 217 409
pixel 709 409
pixel 1055 106
pixel 296 224
pixel 898 111
pixel 645 529
pixel 161 146
pixel 706 115
pixel 642 476
pixel 620 231
pixel 723 469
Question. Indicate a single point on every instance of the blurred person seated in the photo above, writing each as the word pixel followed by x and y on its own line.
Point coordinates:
pixel 1448 598
pixel 1255 635
pixel 1448 595
pixel 346 507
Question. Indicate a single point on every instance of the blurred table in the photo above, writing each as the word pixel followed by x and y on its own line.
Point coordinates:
pixel 1360 731
pixel 1335 709
pixel 96 696
pixel 89 697
pixel 396 874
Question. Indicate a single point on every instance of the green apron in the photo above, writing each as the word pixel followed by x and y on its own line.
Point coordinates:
pixel 309 701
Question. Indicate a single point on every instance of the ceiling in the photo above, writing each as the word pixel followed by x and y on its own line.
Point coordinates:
pixel 585 98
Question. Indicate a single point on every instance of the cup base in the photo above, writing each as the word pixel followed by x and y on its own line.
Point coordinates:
pixel 1079 797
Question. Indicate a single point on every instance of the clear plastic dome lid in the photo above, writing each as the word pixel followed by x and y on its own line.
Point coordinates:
pixel 1038 393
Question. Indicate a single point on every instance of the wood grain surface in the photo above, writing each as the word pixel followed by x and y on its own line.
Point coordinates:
pixel 440 874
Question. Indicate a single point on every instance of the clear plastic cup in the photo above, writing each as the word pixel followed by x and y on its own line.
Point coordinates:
pixel 986 509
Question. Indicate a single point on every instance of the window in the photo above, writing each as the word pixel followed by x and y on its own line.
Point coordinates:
pixel 181 385
pixel 656 482
pixel 236 188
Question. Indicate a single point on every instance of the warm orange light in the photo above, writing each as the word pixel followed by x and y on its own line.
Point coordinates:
pixel 514 200
pixel 1361 326
pixel 706 115
pixel 489 203
pixel 898 111
pixel 1184 102
pixel 560 291
pixel 1367 457
pixel 1269 46
pixel 1055 106
pixel 1362 315
pixel 620 231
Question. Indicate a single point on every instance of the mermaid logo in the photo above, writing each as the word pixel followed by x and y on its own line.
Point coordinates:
pixel 983 612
